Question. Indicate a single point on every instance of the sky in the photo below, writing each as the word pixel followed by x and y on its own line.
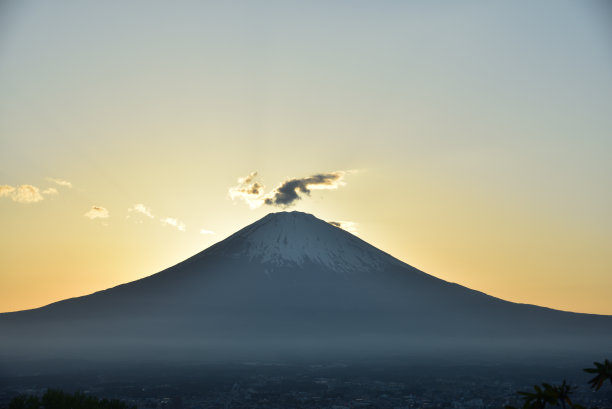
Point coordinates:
pixel 471 140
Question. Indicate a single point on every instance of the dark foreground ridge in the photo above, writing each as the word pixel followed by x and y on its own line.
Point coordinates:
pixel 291 286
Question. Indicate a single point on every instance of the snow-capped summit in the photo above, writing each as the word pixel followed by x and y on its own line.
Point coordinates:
pixel 296 238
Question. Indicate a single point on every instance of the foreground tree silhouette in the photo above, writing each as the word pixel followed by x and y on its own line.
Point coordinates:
pixel 559 395
pixel 603 371
pixel 547 394
pixel 57 399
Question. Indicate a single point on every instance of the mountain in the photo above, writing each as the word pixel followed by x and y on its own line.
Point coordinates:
pixel 292 285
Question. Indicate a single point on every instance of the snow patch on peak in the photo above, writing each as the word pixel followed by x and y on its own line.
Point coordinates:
pixel 296 238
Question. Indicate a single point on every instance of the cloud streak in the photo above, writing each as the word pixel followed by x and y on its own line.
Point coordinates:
pixel 21 193
pixel 288 192
pixel 97 212
pixel 141 209
pixel 50 191
pixel 60 182
pixel 171 221
pixel 350 227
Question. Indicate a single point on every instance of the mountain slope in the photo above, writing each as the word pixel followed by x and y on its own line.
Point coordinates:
pixel 292 282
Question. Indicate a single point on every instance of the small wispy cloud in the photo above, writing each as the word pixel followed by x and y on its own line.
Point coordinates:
pixel 50 191
pixel 141 209
pixel 6 190
pixel 97 212
pixel 288 192
pixel 204 231
pixel 30 193
pixel 171 221
pixel 249 190
pixel 60 182
pixel 146 212
pixel 350 227
pixel 27 194
pixel 21 193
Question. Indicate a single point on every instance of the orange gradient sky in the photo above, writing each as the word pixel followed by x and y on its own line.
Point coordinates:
pixel 475 139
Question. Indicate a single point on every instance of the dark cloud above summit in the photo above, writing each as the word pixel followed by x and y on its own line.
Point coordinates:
pixel 288 192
